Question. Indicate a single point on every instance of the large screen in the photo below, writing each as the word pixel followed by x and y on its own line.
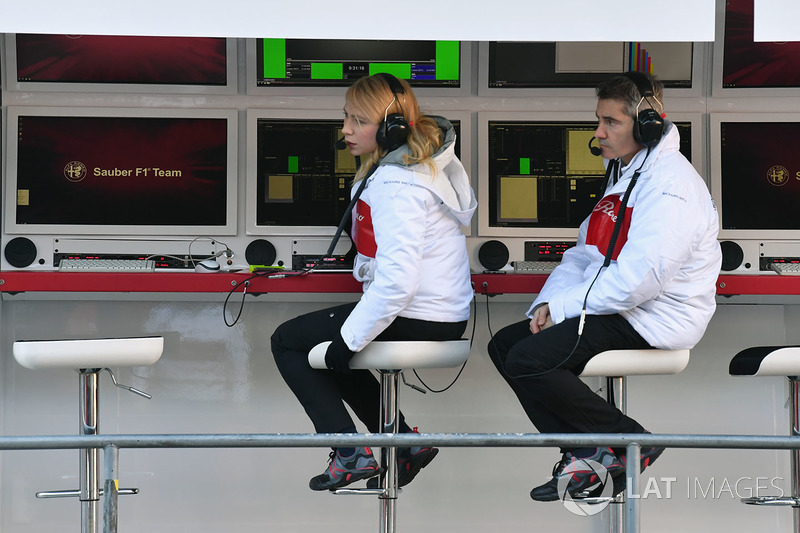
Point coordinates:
pixel 298 180
pixel 310 64
pixel 532 66
pixel 756 175
pixel 121 171
pixel 746 64
pixel 538 177
pixel 117 63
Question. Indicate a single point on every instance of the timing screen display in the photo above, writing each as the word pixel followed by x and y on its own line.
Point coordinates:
pixel 332 63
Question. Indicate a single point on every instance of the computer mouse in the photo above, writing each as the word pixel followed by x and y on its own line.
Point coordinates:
pixel 207 265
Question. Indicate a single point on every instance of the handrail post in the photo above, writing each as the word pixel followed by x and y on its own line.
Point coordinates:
pixel 110 492
pixel 633 453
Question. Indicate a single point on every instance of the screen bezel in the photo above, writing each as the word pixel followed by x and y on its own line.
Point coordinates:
pixel 254 89
pixel 545 233
pixel 698 55
pixel 253 115
pixel 11 227
pixel 13 84
pixel 716 174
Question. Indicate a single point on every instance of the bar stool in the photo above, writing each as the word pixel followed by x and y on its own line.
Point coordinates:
pixel 389 358
pixel 776 361
pixel 90 357
pixel 616 366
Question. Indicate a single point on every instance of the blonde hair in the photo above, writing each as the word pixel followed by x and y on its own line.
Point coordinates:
pixel 371 95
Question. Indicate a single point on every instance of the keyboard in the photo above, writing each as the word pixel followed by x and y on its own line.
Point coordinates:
pixel 786 269
pixel 534 267
pixel 106 265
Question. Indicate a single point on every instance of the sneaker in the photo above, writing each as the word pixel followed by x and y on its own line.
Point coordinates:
pixel 342 471
pixel 576 475
pixel 409 462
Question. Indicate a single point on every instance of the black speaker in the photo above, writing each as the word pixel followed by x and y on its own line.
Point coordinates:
pixel 732 256
pixel 393 130
pixel 20 252
pixel 649 125
pixel 260 252
pixel 493 255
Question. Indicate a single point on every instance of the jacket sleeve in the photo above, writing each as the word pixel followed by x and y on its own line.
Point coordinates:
pixel 398 217
pixel 568 273
pixel 664 222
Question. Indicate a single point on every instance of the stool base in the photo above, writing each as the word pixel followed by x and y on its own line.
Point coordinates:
pixel 785 501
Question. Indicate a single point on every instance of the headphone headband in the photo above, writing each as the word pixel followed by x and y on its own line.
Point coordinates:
pixel 394 84
pixel 641 81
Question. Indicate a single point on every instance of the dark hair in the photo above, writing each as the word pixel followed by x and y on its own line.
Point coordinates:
pixel 624 89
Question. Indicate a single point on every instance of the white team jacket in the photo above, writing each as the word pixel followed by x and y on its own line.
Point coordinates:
pixel 666 260
pixel 412 256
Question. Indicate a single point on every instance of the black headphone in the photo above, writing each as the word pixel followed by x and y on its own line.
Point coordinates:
pixel 649 125
pixel 393 130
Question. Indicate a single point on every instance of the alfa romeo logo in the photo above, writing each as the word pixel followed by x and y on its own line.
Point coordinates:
pixel 75 171
pixel 778 175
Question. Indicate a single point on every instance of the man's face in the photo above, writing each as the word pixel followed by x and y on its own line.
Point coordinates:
pixel 615 131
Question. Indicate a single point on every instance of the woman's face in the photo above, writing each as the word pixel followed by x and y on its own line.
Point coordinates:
pixel 359 133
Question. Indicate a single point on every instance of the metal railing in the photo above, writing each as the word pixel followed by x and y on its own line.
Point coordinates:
pixel 111 444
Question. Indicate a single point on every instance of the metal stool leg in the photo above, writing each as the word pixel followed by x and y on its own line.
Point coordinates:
pixel 616 394
pixel 89 493
pixel 389 423
pixel 794 383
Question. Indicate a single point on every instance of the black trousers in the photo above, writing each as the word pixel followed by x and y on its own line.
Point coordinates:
pixel 322 392
pixel 544 376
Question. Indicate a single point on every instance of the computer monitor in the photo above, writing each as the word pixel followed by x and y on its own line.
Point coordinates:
pixel 102 171
pixel 538 68
pixel 118 63
pixel 537 177
pixel 298 182
pixel 307 66
pixel 743 67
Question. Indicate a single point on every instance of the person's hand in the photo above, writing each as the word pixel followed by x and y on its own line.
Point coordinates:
pixel 338 355
pixel 541 319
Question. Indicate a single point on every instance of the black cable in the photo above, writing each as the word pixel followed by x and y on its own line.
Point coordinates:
pixel 463 366
pixel 246 283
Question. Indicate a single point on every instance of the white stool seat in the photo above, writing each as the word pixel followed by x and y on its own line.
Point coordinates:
pixel 400 355
pixel 767 361
pixel 613 363
pixel 89 353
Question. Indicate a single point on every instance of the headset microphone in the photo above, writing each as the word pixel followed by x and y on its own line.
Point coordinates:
pixel 340 144
pixel 596 150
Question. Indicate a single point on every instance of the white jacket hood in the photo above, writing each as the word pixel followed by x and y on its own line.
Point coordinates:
pixel 450 182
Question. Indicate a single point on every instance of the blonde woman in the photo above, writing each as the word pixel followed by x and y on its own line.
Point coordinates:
pixel 412 259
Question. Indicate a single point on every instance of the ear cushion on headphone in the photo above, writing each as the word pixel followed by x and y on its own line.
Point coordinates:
pixel 649 126
pixel 392 132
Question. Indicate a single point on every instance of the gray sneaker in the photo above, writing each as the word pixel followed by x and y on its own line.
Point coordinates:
pixel 342 471
pixel 578 475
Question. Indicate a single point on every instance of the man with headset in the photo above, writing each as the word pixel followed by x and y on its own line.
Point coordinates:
pixel 641 275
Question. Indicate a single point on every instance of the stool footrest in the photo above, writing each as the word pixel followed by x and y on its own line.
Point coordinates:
pixel 772 500
pixel 360 492
pixel 76 493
